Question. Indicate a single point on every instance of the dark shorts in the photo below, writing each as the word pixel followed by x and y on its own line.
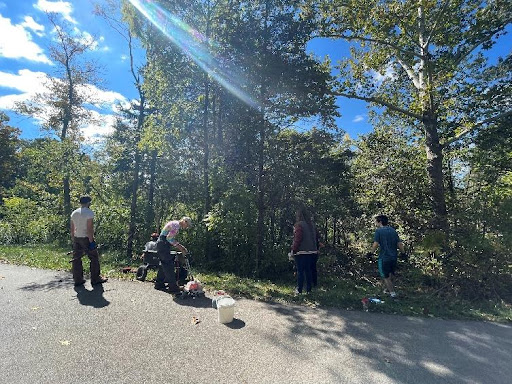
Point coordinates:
pixel 387 267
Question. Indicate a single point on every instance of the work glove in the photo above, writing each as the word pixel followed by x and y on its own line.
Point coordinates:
pixel 92 246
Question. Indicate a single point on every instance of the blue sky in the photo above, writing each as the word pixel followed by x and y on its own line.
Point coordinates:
pixel 25 36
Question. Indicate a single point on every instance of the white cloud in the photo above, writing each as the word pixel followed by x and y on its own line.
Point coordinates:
pixel 85 38
pixel 30 23
pixel 358 119
pixel 63 7
pixel 124 57
pixel 104 99
pixel 379 78
pixel 16 42
pixel 29 83
pixel 101 126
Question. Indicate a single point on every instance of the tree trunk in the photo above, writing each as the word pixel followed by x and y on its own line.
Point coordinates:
pixel 63 135
pixel 430 125
pixel 260 230
pixel 150 208
pixel 334 232
pixel 206 164
pixel 67 199
pixel 435 174
pixel 135 184
pixel 220 136
pixel 272 225
pixel 133 206
pixel 326 229
pixel 261 195
pixel 206 139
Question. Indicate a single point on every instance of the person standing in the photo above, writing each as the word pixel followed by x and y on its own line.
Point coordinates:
pixel 304 249
pixel 82 237
pixel 165 241
pixel 387 240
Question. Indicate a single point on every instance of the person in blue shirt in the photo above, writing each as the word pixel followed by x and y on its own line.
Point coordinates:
pixel 387 240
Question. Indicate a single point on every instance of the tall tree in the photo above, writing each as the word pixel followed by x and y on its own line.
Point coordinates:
pixel 270 42
pixel 137 112
pixel 256 51
pixel 62 106
pixel 9 144
pixel 412 58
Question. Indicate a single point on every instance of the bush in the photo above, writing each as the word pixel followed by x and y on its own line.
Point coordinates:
pixel 24 221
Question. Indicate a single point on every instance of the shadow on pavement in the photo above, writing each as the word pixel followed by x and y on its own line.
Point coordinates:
pixel 403 347
pixel 56 283
pixel 236 324
pixel 92 298
pixel 197 302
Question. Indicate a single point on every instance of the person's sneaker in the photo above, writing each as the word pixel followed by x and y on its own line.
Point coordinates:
pixel 100 281
pixel 160 287
pixel 296 292
pixel 79 283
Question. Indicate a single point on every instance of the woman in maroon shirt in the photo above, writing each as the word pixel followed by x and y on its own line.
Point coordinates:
pixel 305 249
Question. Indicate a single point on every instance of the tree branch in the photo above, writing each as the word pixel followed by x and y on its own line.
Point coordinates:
pixel 434 27
pixel 461 54
pixel 410 73
pixel 381 102
pixel 376 41
pixel 475 126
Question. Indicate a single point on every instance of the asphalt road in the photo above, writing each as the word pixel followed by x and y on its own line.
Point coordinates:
pixel 127 332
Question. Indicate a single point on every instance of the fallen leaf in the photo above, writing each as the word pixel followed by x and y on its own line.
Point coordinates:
pixel 65 342
pixel 2 277
pixel 195 320
pixel 35 308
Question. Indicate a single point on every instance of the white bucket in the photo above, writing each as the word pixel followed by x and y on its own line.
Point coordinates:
pixel 217 295
pixel 226 309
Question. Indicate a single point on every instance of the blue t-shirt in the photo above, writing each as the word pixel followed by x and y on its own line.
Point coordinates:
pixel 388 242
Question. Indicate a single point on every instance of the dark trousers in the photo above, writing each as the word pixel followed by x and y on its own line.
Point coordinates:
pixel 304 268
pixel 81 246
pixel 314 273
pixel 166 267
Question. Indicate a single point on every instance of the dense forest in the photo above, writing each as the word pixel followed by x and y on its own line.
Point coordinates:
pixel 235 126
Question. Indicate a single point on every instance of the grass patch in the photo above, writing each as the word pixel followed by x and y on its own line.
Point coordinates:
pixel 49 256
pixel 332 291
